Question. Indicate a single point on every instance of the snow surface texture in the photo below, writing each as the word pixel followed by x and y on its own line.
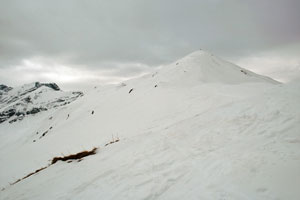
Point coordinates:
pixel 199 128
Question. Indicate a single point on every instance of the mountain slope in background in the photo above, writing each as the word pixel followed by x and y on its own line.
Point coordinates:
pixel 16 103
pixel 199 128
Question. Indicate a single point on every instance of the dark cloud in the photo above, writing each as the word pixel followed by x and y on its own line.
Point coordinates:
pixel 96 32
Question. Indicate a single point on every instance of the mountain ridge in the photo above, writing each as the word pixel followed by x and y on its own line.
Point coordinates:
pixel 167 135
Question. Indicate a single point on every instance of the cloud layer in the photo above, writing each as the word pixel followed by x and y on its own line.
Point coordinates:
pixel 119 36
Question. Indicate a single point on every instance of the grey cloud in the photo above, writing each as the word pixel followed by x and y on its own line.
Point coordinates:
pixel 91 33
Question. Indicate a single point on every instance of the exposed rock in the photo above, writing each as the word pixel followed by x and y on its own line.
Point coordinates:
pixel 54 86
pixel 5 88
pixel 35 110
pixel 7 114
pixel 27 99
pixel 243 71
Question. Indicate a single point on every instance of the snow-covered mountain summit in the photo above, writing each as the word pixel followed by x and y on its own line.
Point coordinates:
pixel 29 99
pixel 204 67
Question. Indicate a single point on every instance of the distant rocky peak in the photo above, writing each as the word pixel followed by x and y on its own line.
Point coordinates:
pixel 30 99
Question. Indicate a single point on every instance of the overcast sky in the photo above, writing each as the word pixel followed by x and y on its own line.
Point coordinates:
pixel 96 41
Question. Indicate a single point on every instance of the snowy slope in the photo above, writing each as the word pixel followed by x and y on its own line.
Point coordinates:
pixel 199 128
pixel 201 66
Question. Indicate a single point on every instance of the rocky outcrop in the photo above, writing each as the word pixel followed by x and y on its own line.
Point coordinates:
pixel 54 86
pixel 7 114
pixel 4 88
